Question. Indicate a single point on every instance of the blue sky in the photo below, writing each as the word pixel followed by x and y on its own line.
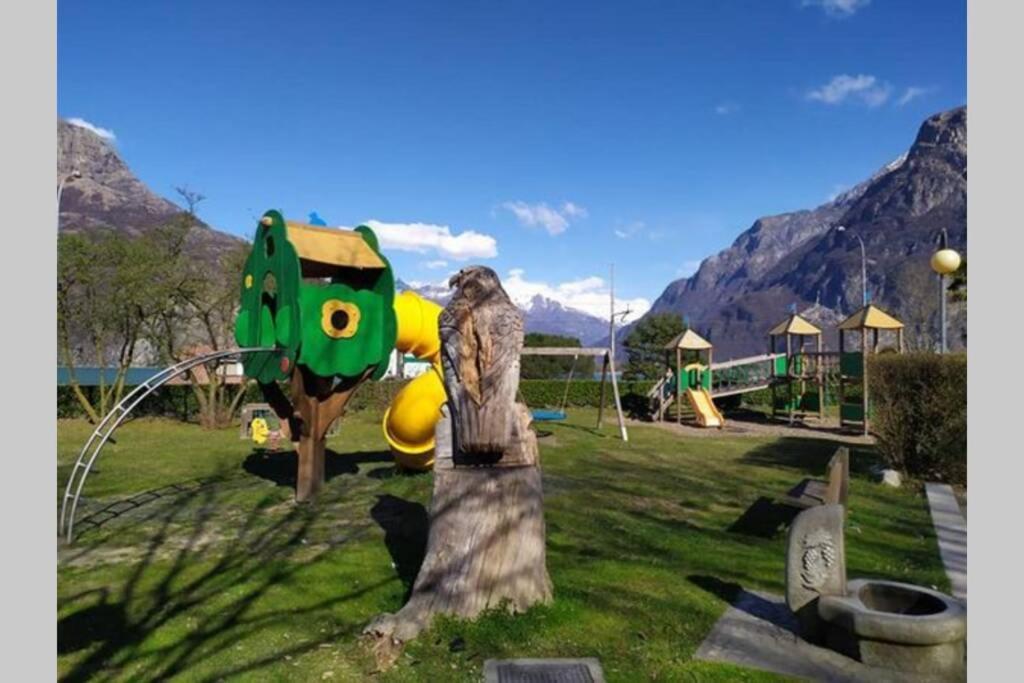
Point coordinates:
pixel 545 139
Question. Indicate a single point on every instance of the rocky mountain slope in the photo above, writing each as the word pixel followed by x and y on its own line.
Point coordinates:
pixel 107 193
pixel 800 259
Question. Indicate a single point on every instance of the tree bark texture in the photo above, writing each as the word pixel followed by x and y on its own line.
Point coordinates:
pixel 486 544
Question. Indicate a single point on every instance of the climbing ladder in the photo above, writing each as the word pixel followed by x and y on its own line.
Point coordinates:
pixel 113 419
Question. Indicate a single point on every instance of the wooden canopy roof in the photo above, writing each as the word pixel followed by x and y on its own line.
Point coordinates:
pixel 795 324
pixel 871 317
pixel 331 246
pixel 688 340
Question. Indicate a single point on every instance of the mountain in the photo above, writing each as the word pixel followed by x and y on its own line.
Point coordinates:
pixel 107 193
pixel 800 259
pixel 540 314
pixel 550 317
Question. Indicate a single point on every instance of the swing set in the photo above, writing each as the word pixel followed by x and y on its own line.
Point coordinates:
pixel 607 368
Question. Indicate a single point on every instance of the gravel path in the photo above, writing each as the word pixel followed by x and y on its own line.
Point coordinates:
pixel 755 425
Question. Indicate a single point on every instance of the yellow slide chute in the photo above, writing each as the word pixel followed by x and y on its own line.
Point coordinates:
pixel 704 408
pixel 409 421
pixel 700 400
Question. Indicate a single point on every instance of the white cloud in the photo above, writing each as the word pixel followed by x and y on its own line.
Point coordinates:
pixel 573 210
pixel 426 238
pixel 589 294
pixel 629 230
pixel 867 89
pixel 910 94
pixel 104 133
pixel 838 8
pixel 726 108
pixel 554 220
pixel 434 265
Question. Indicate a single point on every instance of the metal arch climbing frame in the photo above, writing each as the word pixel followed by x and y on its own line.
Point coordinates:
pixel 112 420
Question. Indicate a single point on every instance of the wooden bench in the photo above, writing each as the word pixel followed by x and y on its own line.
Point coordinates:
pixel 834 489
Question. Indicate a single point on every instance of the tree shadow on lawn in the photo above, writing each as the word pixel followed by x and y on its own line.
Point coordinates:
pixel 203 598
pixel 280 467
pixel 406 525
pixel 766 517
pixel 809 456
pixel 122 507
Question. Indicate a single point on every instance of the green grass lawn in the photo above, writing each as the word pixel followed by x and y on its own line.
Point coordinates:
pixel 216 574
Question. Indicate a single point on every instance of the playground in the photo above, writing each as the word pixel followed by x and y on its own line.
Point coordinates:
pixel 422 541
pixel 191 556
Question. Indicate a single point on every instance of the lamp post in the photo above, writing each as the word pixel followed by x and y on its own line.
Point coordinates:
pixel 944 261
pixel 863 266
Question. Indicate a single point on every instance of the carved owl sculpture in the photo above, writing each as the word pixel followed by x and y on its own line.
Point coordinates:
pixel 481 339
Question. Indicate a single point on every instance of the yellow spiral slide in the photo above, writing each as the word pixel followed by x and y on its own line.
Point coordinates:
pixel 409 421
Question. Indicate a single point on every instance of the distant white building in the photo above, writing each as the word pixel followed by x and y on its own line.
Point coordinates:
pixel 411 366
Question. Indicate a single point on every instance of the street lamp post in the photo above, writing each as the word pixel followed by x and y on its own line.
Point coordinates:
pixel 944 262
pixel 863 266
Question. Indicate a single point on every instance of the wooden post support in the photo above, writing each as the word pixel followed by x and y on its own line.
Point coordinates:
pixel 842 377
pixel 600 403
pixel 864 374
pixel 315 404
pixel 821 380
pixel 486 543
pixel 789 375
pixel 679 386
pixel 618 401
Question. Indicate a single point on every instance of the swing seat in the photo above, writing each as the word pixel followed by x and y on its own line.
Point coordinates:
pixel 548 415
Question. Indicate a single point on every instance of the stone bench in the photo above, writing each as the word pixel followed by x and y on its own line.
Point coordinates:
pixel 830 491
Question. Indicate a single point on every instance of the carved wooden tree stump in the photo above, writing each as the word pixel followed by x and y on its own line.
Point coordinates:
pixel 486 545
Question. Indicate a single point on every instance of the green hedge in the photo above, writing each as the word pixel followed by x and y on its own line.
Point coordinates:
pixel 919 407
pixel 543 393
pixel 179 401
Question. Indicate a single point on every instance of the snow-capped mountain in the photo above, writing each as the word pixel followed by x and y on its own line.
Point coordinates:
pixel 540 314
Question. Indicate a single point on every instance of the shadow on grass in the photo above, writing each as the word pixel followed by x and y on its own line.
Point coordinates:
pixel 736 596
pixel 95 519
pixel 186 601
pixel 406 525
pixel 764 519
pixel 591 431
pixel 280 467
pixel 810 456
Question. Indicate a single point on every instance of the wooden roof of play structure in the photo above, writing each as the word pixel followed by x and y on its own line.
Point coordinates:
pixel 688 340
pixel 871 317
pixel 332 247
pixel 795 324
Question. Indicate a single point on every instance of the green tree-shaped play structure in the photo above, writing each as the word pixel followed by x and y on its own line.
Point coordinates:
pixel 321 301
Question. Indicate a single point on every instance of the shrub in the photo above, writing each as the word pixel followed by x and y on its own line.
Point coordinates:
pixel 919 413
pixel 551 367
pixel 541 393
pixel 178 401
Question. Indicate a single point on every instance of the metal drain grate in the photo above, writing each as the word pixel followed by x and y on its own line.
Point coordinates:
pixel 586 670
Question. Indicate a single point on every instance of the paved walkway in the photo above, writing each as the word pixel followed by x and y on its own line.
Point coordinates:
pixel 951 530
pixel 759 631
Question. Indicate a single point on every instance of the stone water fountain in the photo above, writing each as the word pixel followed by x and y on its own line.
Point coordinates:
pixel 884 624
